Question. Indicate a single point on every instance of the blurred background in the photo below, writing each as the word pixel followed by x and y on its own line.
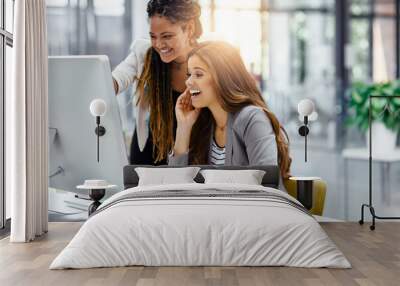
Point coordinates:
pixel 295 49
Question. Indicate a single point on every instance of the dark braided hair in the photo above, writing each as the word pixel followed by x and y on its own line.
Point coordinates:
pixel 155 81
pixel 177 11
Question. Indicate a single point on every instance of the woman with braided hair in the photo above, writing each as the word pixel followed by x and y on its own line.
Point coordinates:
pixel 157 70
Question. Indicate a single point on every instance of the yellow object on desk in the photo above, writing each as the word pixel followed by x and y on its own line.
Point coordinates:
pixel 319 193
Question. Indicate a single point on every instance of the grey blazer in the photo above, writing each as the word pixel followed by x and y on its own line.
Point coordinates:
pixel 250 140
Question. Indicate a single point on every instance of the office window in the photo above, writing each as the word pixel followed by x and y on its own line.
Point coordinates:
pixel 301 54
pixel 384 39
pixel 239 23
pixel 359 41
pixel 373 40
pixel 89 27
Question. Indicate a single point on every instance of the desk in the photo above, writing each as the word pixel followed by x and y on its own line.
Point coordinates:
pixel 385 161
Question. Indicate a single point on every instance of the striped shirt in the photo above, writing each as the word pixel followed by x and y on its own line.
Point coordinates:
pixel 217 154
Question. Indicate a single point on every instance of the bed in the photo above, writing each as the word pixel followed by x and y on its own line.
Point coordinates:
pixel 201 224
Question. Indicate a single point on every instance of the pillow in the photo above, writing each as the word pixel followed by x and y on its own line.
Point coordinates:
pixel 163 176
pixel 249 177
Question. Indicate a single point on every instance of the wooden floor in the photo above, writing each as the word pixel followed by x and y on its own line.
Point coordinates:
pixel 374 255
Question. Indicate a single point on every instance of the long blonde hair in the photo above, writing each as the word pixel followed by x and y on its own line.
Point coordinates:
pixel 235 88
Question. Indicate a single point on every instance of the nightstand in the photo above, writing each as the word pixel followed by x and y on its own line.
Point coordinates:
pixel 97 190
pixel 305 190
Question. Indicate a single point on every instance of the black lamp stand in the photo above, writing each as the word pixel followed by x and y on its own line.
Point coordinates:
pixel 370 206
pixel 303 131
pixel 100 131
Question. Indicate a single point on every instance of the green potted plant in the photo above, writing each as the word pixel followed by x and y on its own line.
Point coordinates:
pixel 385 112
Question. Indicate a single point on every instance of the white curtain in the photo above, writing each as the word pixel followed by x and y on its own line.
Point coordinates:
pixel 27 123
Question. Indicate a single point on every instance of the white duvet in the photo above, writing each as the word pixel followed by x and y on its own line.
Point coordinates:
pixel 200 231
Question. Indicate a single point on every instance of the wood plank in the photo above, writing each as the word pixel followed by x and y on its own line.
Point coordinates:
pixel 374 255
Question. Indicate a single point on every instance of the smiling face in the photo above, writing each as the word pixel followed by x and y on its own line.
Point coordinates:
pixel 200 83
pixel 170 40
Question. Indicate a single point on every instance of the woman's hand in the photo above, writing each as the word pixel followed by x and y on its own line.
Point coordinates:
pixel 186 116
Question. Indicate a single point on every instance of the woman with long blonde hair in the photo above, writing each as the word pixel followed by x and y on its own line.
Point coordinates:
pixel 222 117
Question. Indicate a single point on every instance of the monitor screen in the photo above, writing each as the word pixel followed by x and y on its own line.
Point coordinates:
pixel 74 81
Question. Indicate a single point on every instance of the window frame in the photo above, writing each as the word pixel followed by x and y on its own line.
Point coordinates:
pixel 370 17
pixel 6 39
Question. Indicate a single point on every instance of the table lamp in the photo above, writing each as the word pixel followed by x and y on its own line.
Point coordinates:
pixel 98 108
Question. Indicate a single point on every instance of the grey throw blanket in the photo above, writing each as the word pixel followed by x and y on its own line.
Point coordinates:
pixel 204 194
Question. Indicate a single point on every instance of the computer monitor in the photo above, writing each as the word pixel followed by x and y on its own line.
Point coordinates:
pixel 74 81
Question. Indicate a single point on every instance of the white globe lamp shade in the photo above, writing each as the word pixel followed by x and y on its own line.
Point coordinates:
pixel 305 107
pixel 98 107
